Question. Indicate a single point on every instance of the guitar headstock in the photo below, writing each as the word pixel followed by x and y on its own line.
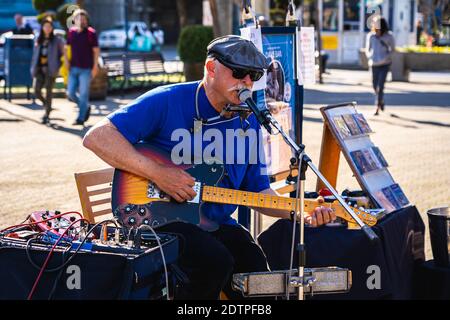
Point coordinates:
pixel 365 216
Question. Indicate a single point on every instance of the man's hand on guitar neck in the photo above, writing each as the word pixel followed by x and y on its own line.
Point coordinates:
pixel 175 182
pixel 320 216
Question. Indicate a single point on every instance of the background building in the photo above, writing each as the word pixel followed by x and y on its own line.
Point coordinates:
pixel 106 14
pixel 8 8
pixel 345 24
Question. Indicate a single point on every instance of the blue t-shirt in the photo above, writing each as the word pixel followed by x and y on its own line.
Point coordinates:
pixel 155 116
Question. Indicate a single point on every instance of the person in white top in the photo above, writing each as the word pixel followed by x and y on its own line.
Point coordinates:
pixel 158 34
pixel 380 46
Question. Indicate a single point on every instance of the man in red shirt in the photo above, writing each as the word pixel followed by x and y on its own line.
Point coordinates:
pixel 83 66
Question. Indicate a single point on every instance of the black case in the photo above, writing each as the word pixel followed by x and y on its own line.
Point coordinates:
pixel 103 275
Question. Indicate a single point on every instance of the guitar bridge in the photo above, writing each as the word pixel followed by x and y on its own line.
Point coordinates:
pixel 153 192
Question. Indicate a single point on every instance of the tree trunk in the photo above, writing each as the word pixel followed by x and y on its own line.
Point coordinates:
pixel 182 13
pixel 80 3
pixel 222 13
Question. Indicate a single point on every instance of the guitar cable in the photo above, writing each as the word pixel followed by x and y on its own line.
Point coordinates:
pixel 68 249
pixel 72 256
pixel 58 277
pixel 34 264
pixel 37 222
pixel 60 240
pixel 38 278
pixel 162 256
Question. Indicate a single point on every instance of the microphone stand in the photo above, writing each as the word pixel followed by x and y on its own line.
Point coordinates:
pixel 304 162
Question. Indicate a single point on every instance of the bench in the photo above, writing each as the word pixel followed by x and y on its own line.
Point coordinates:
pixel 132 65
pixel 2 62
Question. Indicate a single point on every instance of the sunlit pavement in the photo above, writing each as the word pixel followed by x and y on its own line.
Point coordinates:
pixel 38 161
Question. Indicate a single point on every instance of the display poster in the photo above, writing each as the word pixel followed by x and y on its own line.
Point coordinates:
pixel 279 97
pixel 254 35
pixel 306 68
pixel 352 133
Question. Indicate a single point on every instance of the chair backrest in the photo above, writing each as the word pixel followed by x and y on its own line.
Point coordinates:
pixel 94 190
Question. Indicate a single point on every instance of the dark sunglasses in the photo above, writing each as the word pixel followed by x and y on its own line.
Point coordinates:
pixel 240 73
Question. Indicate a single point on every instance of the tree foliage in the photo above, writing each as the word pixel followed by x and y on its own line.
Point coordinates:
pixel 47 5
pixel 193 42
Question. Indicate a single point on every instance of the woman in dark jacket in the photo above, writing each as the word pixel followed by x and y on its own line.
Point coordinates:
pixel 45 64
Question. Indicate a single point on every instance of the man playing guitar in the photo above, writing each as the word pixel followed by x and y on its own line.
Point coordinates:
pixel 209 257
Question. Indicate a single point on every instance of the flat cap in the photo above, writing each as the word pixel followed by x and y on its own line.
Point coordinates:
pixel 238 52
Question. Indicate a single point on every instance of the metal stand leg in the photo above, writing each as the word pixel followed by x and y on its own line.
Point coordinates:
pixel 304 161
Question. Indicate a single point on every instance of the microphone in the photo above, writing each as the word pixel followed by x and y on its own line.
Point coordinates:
pixel 262 115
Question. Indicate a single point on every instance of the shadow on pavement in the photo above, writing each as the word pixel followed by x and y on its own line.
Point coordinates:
pixel 311 119
pixel 78 132
pixel 393 123
pixel 31 106
pixel 20 118
pixel 10 120
pixel 433 123
pixel 407 98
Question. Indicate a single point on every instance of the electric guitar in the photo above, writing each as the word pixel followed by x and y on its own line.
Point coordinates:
pixel 137 201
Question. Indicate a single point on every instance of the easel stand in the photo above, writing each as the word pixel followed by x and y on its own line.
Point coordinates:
pixel 304 161
pixel 346 131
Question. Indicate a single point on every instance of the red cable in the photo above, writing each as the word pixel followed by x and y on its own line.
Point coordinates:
pixel 49 256
pixel 32 223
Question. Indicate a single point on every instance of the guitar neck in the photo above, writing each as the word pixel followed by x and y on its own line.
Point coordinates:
pixel 253 199
pixel 260 200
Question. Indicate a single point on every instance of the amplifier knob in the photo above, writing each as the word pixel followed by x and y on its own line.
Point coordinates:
pixel 141 211
pixel 146 221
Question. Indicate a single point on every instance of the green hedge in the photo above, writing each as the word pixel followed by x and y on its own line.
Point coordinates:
pixel 40 17
pixel 193 42
pixel 47 5
pixel 424 49
pixel 62 15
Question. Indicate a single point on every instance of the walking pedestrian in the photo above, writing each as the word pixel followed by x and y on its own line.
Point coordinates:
pixel 380 46
pixel 21 27
pixel 158 35
pixel 45 64
pixel 83 66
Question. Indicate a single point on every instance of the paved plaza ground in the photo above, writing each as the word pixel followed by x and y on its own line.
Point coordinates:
pixel 38 161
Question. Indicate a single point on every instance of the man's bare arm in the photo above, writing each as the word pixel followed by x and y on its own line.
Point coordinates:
pixel 111 146
pixel 96 54
pixel 66 56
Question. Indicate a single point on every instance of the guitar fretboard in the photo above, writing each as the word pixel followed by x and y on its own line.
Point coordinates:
pixel 253 199
pixel 260 200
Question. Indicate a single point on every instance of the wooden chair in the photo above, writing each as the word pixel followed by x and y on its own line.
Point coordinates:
pixel 94 190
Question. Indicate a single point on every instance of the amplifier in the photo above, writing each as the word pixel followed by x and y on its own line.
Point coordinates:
pixel 96 271
pixel 316 281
